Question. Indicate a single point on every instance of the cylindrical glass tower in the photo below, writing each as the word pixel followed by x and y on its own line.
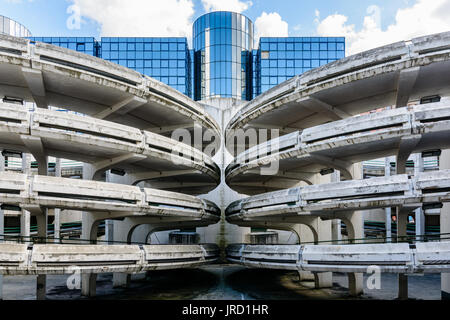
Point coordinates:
pixel 223 42
pixel 13 28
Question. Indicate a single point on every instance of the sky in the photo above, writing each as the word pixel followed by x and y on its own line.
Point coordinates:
pixel 366 24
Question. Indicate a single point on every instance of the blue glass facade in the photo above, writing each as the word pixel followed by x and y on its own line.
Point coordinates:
pixel 222 42
pixel 164 59
pixel 86 45
pixel 222 63
pixel 279 59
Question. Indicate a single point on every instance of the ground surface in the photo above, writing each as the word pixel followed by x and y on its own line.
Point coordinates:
pixel 221 282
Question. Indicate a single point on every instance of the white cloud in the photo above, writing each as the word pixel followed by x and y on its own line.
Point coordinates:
pixel 140 18
pixel 270 25
pixel 226 5
pixel 422 18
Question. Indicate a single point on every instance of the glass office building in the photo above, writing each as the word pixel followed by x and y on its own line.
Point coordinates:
pixel 13 28
pixel 222 42
pixel 164 59
pixel 279 59
pixel 222 62
pixel 86 45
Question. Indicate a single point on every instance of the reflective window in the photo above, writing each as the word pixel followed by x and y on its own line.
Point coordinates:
pixel 222 54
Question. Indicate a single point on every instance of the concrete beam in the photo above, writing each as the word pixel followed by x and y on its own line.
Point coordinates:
pixel 165 129
pixel 129 104
pixel 149 175
pixel 35 82
pixel 405 148
pixel 37 149
pixel 343 166
pixel 406 81
pixel 327 109
pixel 99 167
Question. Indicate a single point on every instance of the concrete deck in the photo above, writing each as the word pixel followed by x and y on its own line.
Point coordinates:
pixel 50 75
pixel 340 144
pixel 143 155
pixel 22 259
pixel 385 76
pixel 117 200
pixel 432 257
pixel 324 200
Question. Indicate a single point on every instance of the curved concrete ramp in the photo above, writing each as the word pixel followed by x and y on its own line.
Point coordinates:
pixel 431 257
pixel 38 259
pixel 50 75
pixel 346 196
pixel 385 76
pixel 142 155
pixel 117 199
pixel 340 144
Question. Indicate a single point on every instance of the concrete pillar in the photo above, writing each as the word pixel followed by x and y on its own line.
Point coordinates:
pixel 123 231
pixel 419 213
pixel 2 162
pixel 25 226
pixel 336 234
pixel 402 220
pixel 444 163
pixel 315 230
pixel 355 229
pixel 25 217
pixel 57 211
pixel 2 223
pixel 388 211
pixel 89 230
pixel 109 225
pixel 2 231
pixel 41 284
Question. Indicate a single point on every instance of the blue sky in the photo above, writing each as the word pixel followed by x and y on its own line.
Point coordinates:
pixel 348 18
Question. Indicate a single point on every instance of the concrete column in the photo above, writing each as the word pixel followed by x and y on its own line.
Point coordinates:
pixel 402 217
pixel 41 285
pixel 402 220
pixel 123 232
pixel 2 162
pixel 355 228
pixel 2 231
pixel 313 231
pixel 25 217
pixel 419 213
pixel 109 225
pixel 2 223
pixel 57 211
pixel 388 211
pixel 336 234
pixel 89 230
pixel 25 226
pixel 444 163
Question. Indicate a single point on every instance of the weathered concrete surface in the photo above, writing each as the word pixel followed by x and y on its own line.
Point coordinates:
pixel 143 155
pixel 106 199
pixel 323 200
pixel 40 259
pixel 340 144
pixel 433 257
pixel 51 75
pixel 445 226
pixel 350 86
